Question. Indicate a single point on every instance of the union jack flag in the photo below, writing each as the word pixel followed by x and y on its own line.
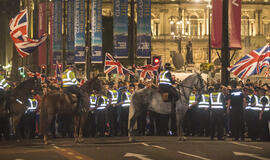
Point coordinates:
pixel 148 71
pixel 18 27
pixel 252 63
pixel 113 66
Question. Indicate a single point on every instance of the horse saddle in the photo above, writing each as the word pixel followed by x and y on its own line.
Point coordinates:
pixel 166 96
pixel 70 97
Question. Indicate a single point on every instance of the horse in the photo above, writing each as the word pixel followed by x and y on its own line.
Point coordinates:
pixel 149 99
pixel 63 104
pixel 17 99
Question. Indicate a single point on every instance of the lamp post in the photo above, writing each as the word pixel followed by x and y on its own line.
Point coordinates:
pixel 209 6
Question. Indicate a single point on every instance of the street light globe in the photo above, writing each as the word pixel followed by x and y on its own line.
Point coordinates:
pixel 171 22
pixel 172 33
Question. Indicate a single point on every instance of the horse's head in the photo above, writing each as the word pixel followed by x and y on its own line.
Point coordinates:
pixel 198 82
pixel 94 84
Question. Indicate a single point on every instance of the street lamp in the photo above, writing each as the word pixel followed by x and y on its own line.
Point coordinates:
pixel 209 6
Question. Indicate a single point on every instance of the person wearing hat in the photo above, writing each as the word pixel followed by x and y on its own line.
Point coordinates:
pixel 112 95
pixel 264 115
pixel 70 83
pixel 4 86
pixel 166 82
pixel 235 107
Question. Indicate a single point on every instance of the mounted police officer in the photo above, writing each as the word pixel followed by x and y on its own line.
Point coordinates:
pixel 70 83
pixel 165 84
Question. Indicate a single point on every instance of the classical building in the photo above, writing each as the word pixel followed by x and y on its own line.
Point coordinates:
pixel 174 23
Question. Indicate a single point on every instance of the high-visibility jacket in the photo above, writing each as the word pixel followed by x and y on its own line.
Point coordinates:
pixel 257 106
pixel 102 102
pixel 93 101
pixel 192 99
pixel 114 94
pixel 204 103
pixel 266 108
pixel 248 107
pixel 33 103
pixel 126 100
pixel 163 79
pixel 69 78
pixel 216 101
pixel 3 83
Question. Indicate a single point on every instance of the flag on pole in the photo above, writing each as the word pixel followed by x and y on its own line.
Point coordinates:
pixel 113 66
pixel 18 31
pixel 252 63
pixel 148 71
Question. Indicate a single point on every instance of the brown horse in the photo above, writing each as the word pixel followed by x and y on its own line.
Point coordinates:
pixel 59 103
pixel 17 100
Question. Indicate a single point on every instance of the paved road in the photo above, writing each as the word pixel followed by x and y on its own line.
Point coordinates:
pixel 145 148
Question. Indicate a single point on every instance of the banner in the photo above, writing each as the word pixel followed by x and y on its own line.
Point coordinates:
pixel 144 29
pixel 120 29
pixel 235 24
pixel 57 31
pixel 42 28
pixel 96 43
pixel 216 27
pixel 70 33
pixel 51 34
pixel 79 31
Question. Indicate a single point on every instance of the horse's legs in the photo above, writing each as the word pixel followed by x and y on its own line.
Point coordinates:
pixel 179 125
pixel 133 120
pixel 82 123
pixel 76 127
pixel 47 127
pixel 16 127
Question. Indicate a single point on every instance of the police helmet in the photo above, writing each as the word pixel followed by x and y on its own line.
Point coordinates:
pixel 167 66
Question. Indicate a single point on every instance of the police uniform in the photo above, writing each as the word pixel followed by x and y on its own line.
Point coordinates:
pixel 191 120
pixel 264 101
pixel 111 112
pixel 102 102
pixel 90 128
pixel 204 115
pixel 70 84
pixel 236 101
pixel 29 118
pixel 218 110
pixel 125 99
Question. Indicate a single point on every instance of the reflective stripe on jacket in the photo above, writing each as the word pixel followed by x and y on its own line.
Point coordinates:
pixel 127 99
pixel 204 103
pixel 114 94
pixel 216 101
pixel 93 101
pixel 69 78
pixel 163 79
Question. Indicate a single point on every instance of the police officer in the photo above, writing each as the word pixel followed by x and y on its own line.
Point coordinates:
pixel 4 86
pixel 218 110
pixel 192 113
pixel 204 114
pixel 264 101
pixel 125 103
pixel 249 113
pixel 91 125
pixel 112 95
pixel 70 83
pixel 100 117
pixel 165 84
pixel 29 118
pixel 236 101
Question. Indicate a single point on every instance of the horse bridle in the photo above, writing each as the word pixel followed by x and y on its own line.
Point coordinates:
pixel 200 80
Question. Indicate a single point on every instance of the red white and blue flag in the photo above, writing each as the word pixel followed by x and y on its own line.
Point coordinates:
pixel 18 27
pixel 113 66
pixel 148 71
pixel 252 63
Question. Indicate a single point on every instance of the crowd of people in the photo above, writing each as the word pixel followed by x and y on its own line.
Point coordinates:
pixel 239 110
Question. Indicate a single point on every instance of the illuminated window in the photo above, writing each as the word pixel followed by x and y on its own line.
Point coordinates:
pixel 193 26
pixel 245 26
